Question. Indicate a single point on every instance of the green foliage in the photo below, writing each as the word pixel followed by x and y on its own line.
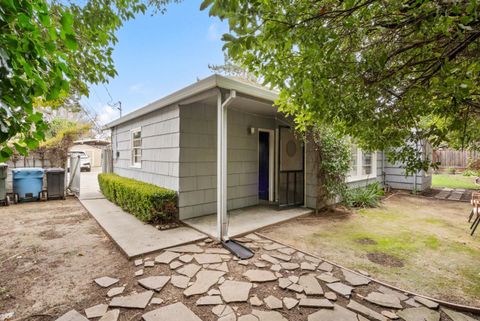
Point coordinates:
pixel 471 172
pixel 451 170
pixel 50 51
pixel 147 202
pixel 474 164
pixel 332 162
pixel 390 74
pixel 61 137
pixel 368 196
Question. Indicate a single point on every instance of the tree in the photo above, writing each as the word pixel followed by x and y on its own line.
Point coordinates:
pixel 390 74
pixel 51 51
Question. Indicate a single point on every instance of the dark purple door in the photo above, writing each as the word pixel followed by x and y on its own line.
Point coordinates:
pixel 263 165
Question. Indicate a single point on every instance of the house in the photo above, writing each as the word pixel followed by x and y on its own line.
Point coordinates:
pixel 250 157
pixel 92 147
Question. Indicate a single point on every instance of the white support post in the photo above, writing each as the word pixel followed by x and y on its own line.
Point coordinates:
pixel 219 166
pixel 222 223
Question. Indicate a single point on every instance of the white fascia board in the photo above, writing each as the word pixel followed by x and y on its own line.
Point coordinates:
pixel 211 82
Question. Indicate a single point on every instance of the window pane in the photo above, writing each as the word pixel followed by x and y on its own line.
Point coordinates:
pixel 137 134
pixel 367 163
pixel 137 143
pixel 353 161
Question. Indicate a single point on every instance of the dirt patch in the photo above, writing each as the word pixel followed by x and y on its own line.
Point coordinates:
pixel 365 241
pixel 51 252
pixel 50 234
pixel 385 259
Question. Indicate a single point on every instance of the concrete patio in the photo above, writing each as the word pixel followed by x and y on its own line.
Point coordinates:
pixel 131 235
pixel 243 221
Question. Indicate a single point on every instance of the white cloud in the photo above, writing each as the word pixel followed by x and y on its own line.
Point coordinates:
pixel 106 114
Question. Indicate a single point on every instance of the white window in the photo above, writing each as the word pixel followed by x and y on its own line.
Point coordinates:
pixel 136 147
pixel 362 165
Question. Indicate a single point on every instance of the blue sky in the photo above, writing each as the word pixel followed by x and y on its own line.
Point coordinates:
pixel 157 55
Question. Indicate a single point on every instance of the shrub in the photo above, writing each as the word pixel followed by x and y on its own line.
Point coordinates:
pixel 451 170
pixel 470 172
pixel 147 202
pixel 368 196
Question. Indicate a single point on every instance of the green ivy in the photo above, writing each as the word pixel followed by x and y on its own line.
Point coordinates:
pixel 332 162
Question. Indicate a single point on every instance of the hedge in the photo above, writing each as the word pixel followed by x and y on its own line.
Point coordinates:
pixel 147 202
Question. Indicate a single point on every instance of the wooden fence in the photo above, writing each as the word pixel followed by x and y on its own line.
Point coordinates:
pixel 457 159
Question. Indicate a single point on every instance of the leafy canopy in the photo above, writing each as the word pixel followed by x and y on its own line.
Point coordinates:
pixel 391 74
pixel 49 52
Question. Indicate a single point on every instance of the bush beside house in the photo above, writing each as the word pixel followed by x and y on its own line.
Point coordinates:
pixel 147 202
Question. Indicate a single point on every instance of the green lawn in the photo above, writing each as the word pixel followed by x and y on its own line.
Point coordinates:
pixel 454 181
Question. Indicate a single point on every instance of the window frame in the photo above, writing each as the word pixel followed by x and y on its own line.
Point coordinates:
pixel 133 148
pixel 359 176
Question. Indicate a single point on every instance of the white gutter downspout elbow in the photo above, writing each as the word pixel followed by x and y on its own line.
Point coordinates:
pixel 222 223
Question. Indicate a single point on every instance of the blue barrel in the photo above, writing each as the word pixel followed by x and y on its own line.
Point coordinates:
pixel 28 182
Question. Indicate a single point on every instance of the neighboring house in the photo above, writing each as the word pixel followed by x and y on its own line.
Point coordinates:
pixel 176 142
pixel 92 147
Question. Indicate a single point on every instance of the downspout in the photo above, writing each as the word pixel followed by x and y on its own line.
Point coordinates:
pixel 222 223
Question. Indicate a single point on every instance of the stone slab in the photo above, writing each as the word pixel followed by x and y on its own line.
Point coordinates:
pixel 106 281
pixel 269 259
pixel 207 258
pixel 268 315
pixel 204 280
pixel 111 315
pixel 133 236
pixel 273 302
pixel 180 281
pixel 176 311
pixel 166 257
pixel 186 258
pixel 457 316
pixel 289 265
pixel 400 296
pixel 72 315
pixel 260 276
pixel 354 278
pixel 235 291
pixel 209 300
pixel 426 302
pixel 115 291
pixel 132 301
pixel 340 288
pixel 315 303
pixel 189 270
pixel 384 300
pixel 327 277
pixel 155 283
pixel 337 313
pixel 290 303
pixel 360 308
pixel 419 314
pixel 308 266
pixel 326 267
pixel 310 285
pixel 96 311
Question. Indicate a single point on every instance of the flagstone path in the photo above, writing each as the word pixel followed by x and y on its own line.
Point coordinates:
pixel 202 281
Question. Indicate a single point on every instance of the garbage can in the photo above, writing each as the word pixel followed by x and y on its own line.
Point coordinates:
pixel 28 183
pixel 4 198
pixel 55 183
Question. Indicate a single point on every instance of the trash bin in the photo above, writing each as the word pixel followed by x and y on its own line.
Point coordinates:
pixel 55 183
pixel 4 198
pixel 28 183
